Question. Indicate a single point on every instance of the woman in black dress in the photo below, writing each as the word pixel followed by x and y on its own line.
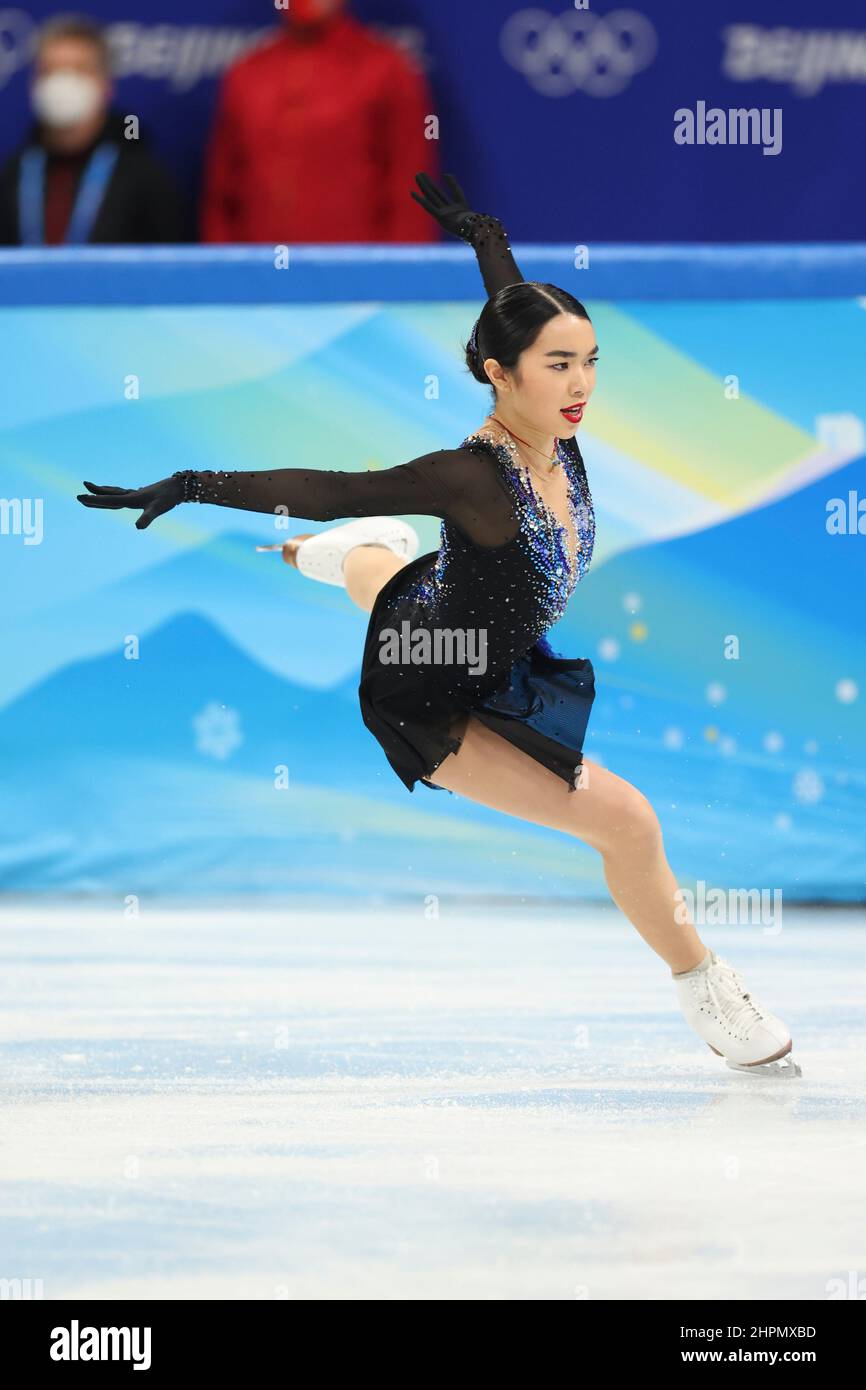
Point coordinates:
pixel 458 683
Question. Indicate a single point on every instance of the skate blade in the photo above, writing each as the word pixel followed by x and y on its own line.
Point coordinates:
pixel 780 1064
pixel 785 1068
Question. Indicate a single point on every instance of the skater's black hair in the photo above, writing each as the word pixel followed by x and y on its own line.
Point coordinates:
pixel 510 322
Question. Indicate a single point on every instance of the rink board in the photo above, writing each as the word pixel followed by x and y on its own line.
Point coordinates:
pixel 723 611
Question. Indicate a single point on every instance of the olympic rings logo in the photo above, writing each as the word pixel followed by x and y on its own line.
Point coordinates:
pixel 578 51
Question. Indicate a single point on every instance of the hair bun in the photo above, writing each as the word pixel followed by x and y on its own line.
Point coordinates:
pixel 473 356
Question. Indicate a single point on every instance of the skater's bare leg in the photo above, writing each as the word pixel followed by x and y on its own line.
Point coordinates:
pixel 365 569
pixel 605 811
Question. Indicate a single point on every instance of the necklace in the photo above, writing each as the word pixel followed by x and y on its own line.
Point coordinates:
pixel 557 529
pixel 554 458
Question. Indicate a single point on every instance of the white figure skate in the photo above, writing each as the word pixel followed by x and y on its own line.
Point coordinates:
pixel 321 556
pixel 748 1036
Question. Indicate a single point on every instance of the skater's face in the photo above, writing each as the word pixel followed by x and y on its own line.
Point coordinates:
pixel 555 375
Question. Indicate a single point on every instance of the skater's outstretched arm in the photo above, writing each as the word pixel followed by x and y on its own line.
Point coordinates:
pixel 459 485
pixel 486 235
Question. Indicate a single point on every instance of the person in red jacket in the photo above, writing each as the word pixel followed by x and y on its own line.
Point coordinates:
pixel 318 133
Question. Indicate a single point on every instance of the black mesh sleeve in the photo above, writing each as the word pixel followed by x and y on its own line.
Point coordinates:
pixel 489 240
pixel 459 485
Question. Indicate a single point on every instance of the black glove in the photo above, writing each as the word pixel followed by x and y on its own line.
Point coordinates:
pixel 154 500
pixel 486 235
pixel 454 214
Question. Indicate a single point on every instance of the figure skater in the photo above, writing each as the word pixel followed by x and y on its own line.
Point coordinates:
pixel 458 681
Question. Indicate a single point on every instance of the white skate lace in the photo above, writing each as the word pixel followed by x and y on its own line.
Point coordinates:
pixel 722 980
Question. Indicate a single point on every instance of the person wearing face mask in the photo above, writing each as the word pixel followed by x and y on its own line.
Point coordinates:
pixel 78 178
pixel 317 133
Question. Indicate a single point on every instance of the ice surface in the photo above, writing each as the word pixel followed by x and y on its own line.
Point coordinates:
pixel 487 1104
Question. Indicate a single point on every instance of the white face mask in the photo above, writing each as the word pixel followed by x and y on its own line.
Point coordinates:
pixel 65 98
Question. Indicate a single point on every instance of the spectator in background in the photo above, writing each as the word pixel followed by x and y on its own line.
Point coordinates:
pixel 318 136
pixel 78 178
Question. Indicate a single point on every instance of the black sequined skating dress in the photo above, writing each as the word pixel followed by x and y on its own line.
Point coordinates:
pixel 459 630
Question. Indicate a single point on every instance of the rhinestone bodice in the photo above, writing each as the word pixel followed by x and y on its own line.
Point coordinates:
pixel 529 579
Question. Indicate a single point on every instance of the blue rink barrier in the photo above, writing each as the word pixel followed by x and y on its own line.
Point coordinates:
pixel 139 275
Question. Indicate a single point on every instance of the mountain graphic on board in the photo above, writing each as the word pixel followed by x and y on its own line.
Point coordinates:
pixel 185 678
pixel 192 771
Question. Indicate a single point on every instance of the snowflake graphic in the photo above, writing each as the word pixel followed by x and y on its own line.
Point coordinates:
pixel 808 786
pixel 217 730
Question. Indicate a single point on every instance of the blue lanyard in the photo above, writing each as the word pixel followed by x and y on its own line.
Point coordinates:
pixel 91 191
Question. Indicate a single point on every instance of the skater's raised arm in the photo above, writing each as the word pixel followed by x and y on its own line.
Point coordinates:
pixel 454 484
pixel 486 235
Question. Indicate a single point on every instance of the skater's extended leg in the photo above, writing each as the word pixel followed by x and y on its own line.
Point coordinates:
pixel 365 569
pixel 605 811
pixel 618 820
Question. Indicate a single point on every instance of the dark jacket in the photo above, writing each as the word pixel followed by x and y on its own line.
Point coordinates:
pixel 141 203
